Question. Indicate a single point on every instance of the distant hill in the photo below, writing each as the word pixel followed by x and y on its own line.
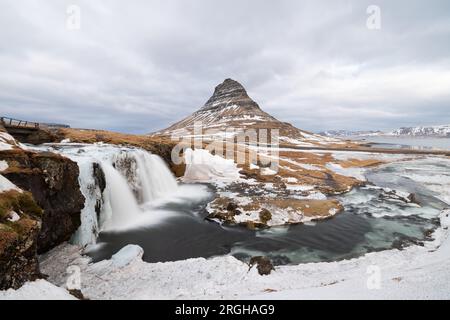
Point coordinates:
pixel 348 133
pixel 420 131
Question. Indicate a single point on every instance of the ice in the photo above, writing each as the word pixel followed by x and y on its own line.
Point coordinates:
pixel 127 255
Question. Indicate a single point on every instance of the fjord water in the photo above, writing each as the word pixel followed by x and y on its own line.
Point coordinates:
pixel 368 224
pixel 412 143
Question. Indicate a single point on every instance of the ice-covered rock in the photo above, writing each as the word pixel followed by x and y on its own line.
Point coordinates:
pixel 127 255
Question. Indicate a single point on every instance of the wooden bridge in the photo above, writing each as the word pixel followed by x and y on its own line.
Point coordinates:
pixel 19 124
pixel 20 129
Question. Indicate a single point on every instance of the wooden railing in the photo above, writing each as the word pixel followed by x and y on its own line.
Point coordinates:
pixel 11 122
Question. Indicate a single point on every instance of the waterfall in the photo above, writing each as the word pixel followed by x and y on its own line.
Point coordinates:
pixel 121 206
pixel 132 178
pixel 156 179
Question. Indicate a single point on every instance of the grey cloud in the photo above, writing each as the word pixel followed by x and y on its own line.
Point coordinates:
pixel 137 67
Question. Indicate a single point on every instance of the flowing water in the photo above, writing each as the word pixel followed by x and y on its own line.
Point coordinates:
pixel 369 223
pixel 411 143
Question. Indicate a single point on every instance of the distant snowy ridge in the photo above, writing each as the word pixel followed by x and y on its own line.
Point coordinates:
pixel 432 131
pixel 348 133
pixel 420 131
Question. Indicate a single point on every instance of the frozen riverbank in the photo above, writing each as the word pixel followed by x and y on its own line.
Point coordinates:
pixel 401 274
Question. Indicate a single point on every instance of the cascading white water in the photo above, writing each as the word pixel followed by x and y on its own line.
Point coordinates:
pixel 120 206
pixel 133 178
pixel 156 179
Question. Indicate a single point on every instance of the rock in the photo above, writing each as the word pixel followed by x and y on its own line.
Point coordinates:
pixel 237 212
pixel 263 264
pixel 252 225
pixel 265 216
pixel 232 206
pixel 413 198
pixel 36 137
pixel 53 182
pixel 77 294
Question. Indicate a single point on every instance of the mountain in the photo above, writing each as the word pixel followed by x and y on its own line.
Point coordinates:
pixel 231 107
pixel 347 133
pixel 421 131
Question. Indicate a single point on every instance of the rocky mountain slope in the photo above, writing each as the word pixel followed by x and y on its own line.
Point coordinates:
pixel 230 107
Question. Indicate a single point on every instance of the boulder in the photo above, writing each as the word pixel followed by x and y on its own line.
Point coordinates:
pixel 263 264
pixel 265 216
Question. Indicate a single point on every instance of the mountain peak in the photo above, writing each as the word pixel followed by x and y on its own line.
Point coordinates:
pixel 230 107
pixel 229 92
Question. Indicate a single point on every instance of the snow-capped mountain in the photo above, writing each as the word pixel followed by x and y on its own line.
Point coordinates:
pixel 231 107
pixel 347 133
pixel 432 131
pixel 420 131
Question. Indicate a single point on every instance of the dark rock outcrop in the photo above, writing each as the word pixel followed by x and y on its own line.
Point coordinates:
pixel 53 182
pixel 230 91
pixel 265 216
pixel 263 264
pixel 35 136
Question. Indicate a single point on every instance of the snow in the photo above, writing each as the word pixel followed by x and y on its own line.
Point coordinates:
pixel 268 172
pixel 357 173
pixel 202 166
pixel 13 216
pixel 440 131
pixel 3 165
pixel 253 166
pixel 6 141
pixel 37 290
pixel 6 185
pixel 296 142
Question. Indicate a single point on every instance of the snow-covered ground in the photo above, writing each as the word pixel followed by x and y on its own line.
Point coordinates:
pixel 37 290
pixel 413 273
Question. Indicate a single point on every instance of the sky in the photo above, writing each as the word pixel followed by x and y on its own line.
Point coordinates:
pixel 139 66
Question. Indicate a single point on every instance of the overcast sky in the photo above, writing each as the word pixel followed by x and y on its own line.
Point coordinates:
pixel 138 66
